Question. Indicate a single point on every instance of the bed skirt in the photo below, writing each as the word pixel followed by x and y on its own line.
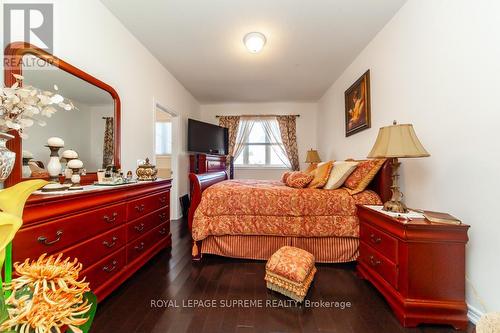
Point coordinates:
pixel 324 249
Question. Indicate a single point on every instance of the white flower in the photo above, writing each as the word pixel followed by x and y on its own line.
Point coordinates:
pixel 44 99
pixel 11 124
pixel 19 105
pixel 56 99
pixel 48 111
pixel 26 122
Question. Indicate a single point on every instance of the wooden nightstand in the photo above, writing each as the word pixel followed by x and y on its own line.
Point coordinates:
pixel 418 266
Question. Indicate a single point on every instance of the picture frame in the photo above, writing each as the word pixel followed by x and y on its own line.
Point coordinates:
pixel 357 105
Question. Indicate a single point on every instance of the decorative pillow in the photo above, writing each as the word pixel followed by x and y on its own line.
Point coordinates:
pixel 363 175
pixel 284 177
pixel 299 179
pixel 341 170
pixel 321 174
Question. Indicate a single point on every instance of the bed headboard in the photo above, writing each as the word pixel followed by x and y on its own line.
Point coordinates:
pixel 382 182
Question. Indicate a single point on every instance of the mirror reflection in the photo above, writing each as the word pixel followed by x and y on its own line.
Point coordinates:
pixel 86 130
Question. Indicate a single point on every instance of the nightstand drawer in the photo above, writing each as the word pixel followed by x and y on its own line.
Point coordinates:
pixel 380 241
pixel 378 263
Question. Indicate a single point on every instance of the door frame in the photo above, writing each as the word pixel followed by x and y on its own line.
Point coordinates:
pixel 175 211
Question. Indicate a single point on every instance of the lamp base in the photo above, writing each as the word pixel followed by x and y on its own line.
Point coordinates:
pixel 395 204
pixel 395 207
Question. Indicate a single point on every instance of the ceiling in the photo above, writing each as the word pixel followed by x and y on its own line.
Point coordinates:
pixel 309 43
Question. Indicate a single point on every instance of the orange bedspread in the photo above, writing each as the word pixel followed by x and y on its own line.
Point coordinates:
pixel 259 207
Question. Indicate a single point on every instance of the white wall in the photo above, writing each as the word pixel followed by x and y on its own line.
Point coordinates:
pixel 306 127
pixel 89 37
pixel 436 65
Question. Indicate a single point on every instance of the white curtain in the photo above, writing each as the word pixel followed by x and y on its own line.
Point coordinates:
pixel 271 127
pixel 244 129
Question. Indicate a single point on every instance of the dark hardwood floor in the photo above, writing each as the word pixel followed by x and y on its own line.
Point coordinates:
pixel 171 276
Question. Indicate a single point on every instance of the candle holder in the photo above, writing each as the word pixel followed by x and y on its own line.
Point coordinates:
pixel 75 179
pixel 68 172
pixel 54 166
pixel 68 155
pixel 75 165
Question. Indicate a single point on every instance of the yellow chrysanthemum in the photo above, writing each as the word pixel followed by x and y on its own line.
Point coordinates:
pixel 55 297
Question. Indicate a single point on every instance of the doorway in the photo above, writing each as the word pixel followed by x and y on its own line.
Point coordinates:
pixel 166 152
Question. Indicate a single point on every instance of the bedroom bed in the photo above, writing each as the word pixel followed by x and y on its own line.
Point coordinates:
pixel 252 219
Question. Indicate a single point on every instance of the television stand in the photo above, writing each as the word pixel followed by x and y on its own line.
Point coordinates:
pixel 203 163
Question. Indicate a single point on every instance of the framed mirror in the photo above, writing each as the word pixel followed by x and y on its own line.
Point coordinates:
pixel 91 128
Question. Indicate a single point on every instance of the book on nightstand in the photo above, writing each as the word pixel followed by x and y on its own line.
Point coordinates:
pixel 437 217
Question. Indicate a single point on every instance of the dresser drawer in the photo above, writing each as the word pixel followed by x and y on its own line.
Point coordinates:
pixel 383 243
pixel 142 206
pixel 101 272
pixel 52 237
pixel 378 263
pixel 144 243
pixel 93 250
pixel 141 226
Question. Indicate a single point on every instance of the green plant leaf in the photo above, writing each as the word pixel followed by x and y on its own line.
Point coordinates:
pixel 92 299
pixel 4 315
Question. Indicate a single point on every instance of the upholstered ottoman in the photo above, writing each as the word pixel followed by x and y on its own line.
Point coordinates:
pixel 290 271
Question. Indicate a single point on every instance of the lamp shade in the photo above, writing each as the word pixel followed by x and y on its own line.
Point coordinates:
pixel 398 140
pixel 312 156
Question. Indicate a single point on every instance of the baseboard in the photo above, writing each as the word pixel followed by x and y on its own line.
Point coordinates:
pixel 474 314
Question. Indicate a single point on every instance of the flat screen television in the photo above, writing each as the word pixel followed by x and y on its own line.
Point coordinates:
pixel 207 138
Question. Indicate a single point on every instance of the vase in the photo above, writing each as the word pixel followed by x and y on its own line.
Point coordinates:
pixel 7 157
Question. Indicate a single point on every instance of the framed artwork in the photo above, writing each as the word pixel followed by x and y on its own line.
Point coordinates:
pixel 357 105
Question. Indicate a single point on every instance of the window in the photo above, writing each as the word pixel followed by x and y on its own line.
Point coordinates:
pixel 262 150
pixel 163 138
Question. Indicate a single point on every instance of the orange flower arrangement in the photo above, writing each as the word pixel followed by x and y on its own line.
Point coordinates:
pixel 47 296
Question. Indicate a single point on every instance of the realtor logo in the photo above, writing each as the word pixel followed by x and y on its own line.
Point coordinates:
pixel 31 23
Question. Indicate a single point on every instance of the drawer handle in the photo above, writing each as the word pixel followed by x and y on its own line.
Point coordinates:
pixel 162 216
pixel 139 227
pixel 111 219
pixel 112 268
pixel 374 262
pixel 163 200
pixel 43 239
pixel 163 231
pixel 139 208
pixel 139 247
pixel 375 239
pixel 110 245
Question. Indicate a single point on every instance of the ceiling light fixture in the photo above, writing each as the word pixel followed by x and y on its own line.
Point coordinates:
pixel 254 41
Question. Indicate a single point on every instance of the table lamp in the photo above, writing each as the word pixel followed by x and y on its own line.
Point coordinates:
pixel 312 157
pixel 397 141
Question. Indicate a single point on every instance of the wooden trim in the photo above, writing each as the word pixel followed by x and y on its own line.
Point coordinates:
pixel 13 56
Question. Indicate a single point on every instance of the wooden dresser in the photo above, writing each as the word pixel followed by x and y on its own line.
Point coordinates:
pixel 418 266
pixel 112 231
